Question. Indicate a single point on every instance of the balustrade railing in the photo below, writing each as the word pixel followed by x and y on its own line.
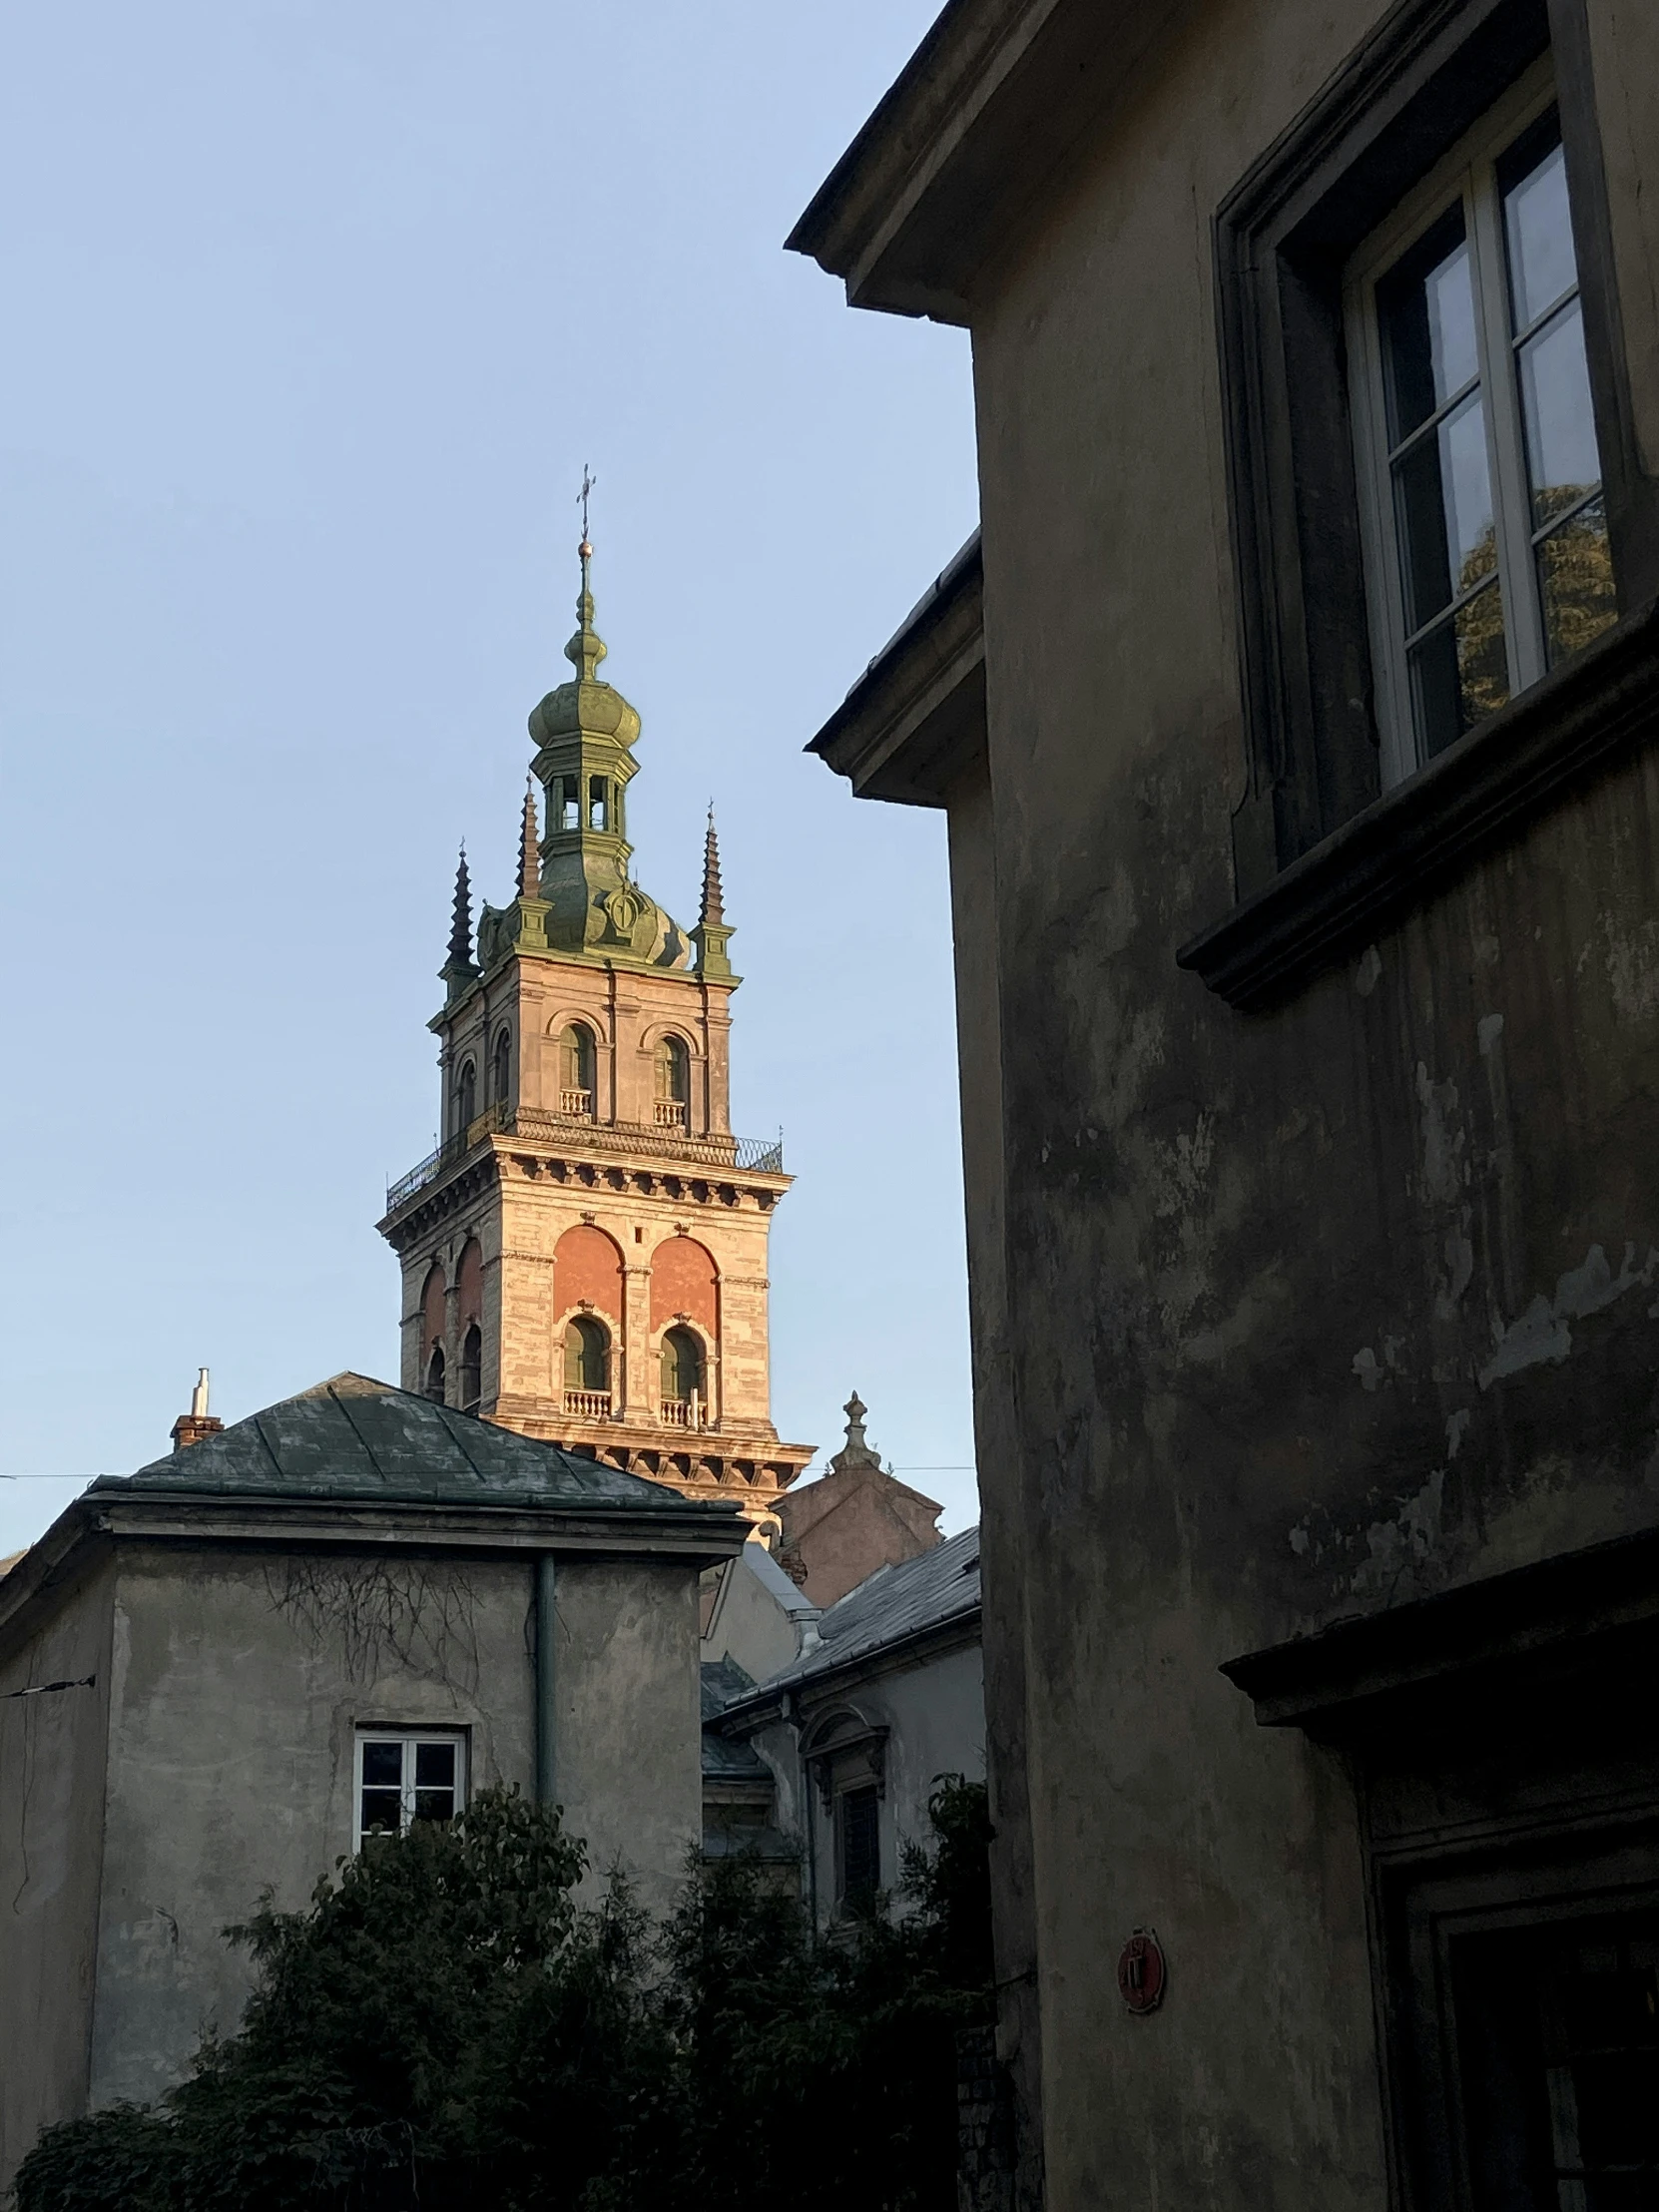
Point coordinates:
pixel 670 1113
pixel 588 1405
pixel 658 1139
pixel 578 1103
pixel 684 1412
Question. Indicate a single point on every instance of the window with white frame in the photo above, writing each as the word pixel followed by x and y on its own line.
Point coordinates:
pixel 1485 530
pixel 406 1775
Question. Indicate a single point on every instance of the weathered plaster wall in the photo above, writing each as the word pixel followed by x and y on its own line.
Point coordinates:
pixel 757 1614
pixel 1006 1592
pixel 629 1761
pixel 239 1683
pixel 52 1756
pixel 935 1712
pixel 1311 1311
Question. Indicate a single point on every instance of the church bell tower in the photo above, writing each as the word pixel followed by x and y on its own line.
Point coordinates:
pixel 584 1256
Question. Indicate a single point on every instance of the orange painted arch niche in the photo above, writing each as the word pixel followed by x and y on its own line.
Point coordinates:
pixel 685 1280
pixel 587 1271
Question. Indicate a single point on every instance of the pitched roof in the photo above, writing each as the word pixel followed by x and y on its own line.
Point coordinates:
pixel 353 1439
pixel 889 1607
pixel 724 1758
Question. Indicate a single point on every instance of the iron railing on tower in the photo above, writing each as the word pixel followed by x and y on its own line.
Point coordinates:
pixel 733 1155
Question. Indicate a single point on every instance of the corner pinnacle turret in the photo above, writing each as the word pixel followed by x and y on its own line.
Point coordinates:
pixel 713 933
pixel 458 971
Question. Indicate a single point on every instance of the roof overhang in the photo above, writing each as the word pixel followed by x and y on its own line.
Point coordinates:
pixel 991 103
pixel 693 1533
pixel 914 721
pixel 792 1693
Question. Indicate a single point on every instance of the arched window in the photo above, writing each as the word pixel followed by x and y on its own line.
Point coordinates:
pixel 587 1367
pixel 599 804
pixel 466 1098
pixel 472 1370
pixel 684 1395
pixel 576 1070
pixel 501 1068
pixel 672 1083
pixel 434 1375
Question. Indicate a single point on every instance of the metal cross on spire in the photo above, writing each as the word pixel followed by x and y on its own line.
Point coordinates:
pixel 589 482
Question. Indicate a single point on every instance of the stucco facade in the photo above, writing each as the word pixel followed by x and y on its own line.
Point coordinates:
pixel 884 1699
pixel 247 1611
pixel 1309 1118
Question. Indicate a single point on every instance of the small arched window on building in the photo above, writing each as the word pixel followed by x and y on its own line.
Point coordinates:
pixel 434 1375
pixel 587 1367
pixel 501 1068
pixel 672 1083
pixel 599 803
pixel 685 1398
pixel 466 1098
pixel 472 1370
pixel 575 1058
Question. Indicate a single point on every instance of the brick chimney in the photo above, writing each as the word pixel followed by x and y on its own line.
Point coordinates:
pixel 190 1427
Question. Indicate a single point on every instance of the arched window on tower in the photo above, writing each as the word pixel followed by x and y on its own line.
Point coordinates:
pixel 434 1375
pixel 599 804
pixel 472 1370
pixel 575 1058
pixel 672 1083
pixel 501 1068
pixel 466 1098
pixel 587 1367
pixel 685 1397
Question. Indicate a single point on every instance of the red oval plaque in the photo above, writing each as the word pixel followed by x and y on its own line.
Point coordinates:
pixel 1141 1971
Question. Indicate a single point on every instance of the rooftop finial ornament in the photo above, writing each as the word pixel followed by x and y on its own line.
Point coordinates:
pixel 587 649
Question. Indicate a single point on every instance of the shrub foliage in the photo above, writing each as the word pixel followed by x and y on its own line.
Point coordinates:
pixel 445 2024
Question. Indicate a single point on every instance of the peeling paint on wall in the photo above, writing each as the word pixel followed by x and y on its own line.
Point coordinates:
pixel 1542 1334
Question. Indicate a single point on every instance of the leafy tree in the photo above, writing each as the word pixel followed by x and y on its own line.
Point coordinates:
pixel 443 2023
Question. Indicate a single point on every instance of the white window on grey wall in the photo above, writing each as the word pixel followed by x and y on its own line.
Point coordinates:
pixel 408 1774
pixel 1479 472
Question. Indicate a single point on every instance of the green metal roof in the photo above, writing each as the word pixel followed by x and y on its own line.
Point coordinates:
pixel 353 1439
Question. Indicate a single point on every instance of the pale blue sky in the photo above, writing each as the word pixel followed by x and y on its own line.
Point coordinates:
pixel 315 313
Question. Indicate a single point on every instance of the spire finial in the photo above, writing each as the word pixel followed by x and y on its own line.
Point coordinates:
pixel 529 871
pixel 460 927
pixel 856 1453
pixel 587 648
pixel 713 908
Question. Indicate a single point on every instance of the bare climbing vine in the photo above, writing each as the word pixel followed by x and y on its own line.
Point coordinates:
pixel 419 1616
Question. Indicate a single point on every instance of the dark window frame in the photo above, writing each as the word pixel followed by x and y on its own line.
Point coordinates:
pixel 1282 239
pixel 866 1793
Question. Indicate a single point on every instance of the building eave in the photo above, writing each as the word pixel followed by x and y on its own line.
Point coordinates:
pixel 987 108
pixel 696 1533
pixel 914 721
pixel 773 1701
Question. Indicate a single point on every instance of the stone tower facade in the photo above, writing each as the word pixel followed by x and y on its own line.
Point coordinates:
pixel 584 1256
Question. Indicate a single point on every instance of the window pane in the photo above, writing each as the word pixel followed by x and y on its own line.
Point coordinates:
pixel 1460 672
pixel 434 1766
pixel 861 1843
pixel 383 1762
pixel 1562 455
pixel 1425 306
pixel 1575 581
pixel 383 1812
pixel 1443 497
pixel 1539 227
